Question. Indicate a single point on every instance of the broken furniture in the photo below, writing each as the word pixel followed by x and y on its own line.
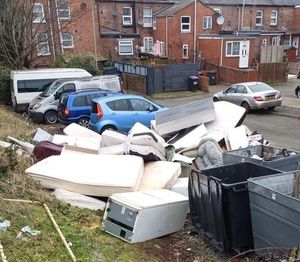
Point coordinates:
pixel 140 216
pixel 275 210
pixel 219 204
pixel 273 157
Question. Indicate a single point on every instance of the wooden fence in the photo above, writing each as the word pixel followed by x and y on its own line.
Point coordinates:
pixel 273 72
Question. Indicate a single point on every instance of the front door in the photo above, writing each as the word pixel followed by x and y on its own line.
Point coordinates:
pixel 244 54
pixel 295 43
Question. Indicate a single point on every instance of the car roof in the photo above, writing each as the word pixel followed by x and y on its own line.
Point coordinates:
pixel 89 91
pixel 115 97
pixel 250 83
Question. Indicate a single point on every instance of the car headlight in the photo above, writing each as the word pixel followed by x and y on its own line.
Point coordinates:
pixel 37 105
pixel 279 96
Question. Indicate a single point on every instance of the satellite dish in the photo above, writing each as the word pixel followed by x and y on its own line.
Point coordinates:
pixel 220 20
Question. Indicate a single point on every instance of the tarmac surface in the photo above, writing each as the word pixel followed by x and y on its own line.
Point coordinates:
pixel 290 105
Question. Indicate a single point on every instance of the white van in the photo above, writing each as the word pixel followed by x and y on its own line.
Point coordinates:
pixel 27 84
pixel 43 108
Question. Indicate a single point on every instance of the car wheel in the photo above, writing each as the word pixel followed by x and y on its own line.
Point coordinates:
pixel 109 127
pixel 215 99
pixel 246 106
pixel 51 117
pixel 84 121
pixel 271 108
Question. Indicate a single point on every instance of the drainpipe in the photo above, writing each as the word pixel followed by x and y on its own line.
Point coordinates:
pixel 221 53
pixel 167 39
pixel 243 10
pixel 94 32
pixel 134 16
pixel 195 31
pixel 59 28
pixel 51 31
pixel 239 17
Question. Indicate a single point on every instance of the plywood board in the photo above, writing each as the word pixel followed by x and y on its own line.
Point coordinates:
pixel 184 116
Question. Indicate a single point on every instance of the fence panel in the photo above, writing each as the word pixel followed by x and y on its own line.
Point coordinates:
pixel 273 72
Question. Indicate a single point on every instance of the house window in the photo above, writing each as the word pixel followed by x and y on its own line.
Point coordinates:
pixel 232 48
pixel 38 13
pixel 287 43
pixel 148 44
pixel 185 24
pixel 67 40
pixel 275 40
pixel 126 47
pixel 274 14
pixel 185 51
pixel 207 22
pixel 127 16
pixel 259 17
pixel 63 11
pixel 42 45
pixel 264 42
pixel 147 17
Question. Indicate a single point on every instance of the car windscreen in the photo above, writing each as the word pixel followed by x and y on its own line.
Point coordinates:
pixel 51 89
pixel 260 87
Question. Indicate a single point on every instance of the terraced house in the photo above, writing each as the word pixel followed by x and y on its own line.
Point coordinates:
pixel 224 32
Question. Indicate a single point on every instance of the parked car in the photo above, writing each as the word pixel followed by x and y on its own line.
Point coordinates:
pixel 76 107
pixel 251 95
pixel 121 112
pixel 297 91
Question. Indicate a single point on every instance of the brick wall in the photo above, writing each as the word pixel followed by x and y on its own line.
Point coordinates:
pixel 233 75
pixel 135 84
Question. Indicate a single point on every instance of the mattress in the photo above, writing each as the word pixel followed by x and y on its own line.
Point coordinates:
pixel 159 175
pixel 84 142
pixel 80 131
pixel 111 138
pixel 95 175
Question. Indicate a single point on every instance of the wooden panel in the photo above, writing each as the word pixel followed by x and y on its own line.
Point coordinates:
pixel 272 72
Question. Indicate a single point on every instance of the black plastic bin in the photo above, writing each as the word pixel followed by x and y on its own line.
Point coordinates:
pixel 219 204
pixel 212 77
pixel 277 158
pixel 193 83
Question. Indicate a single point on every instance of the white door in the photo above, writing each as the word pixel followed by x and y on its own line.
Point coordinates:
pixel 244 54
pixel 295 43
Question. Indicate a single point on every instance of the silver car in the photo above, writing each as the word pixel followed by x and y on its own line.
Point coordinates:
pixel 251 95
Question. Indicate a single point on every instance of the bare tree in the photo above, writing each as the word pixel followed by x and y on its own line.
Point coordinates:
pixel 19 36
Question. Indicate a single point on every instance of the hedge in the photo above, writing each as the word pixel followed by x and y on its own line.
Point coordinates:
pixel 5 96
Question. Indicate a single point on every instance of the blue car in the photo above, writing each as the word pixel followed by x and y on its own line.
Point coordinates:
pixel 75 107
pixel 121 112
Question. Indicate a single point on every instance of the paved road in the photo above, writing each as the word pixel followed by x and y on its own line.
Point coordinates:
pixel 277 127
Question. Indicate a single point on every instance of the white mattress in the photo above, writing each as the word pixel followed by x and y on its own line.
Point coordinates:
pixel 159 174
pixel 80 131
pixel 84 142
pixel 111 138
pixel 96 175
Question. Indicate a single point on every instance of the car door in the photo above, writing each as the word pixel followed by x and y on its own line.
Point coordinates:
pixel 121 114
pixel 230 93
pixel 143 111
pixel 81 107
pixel 239 94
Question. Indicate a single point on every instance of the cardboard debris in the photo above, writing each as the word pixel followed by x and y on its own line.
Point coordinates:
pixel 88 174
pixel 42 135
pixel 111 138
pixel 4 144
pixel 237 138
pixel 140 216
pixel 80 131
pixel 78 200
pixel 24 145
pixel 159 174
pixel 184 116
pixel 79 141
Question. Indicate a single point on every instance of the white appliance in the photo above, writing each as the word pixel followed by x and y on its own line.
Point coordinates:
pixel 140 216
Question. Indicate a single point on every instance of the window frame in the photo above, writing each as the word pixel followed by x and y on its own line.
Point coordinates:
pixel 185 24
pixel 84 97
pixel 68 10
pixel 185 48
pixel 261 17
pixel 275 41
pixel 120 44
pixel 37 19
pixel 207 22
pixel 127 16
pixel 264 42
pixel 43 44
pixel 149 24
pixel 64 40
pixel 145 40
pixel 232 43
pixel 132 104
pixel 274 17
